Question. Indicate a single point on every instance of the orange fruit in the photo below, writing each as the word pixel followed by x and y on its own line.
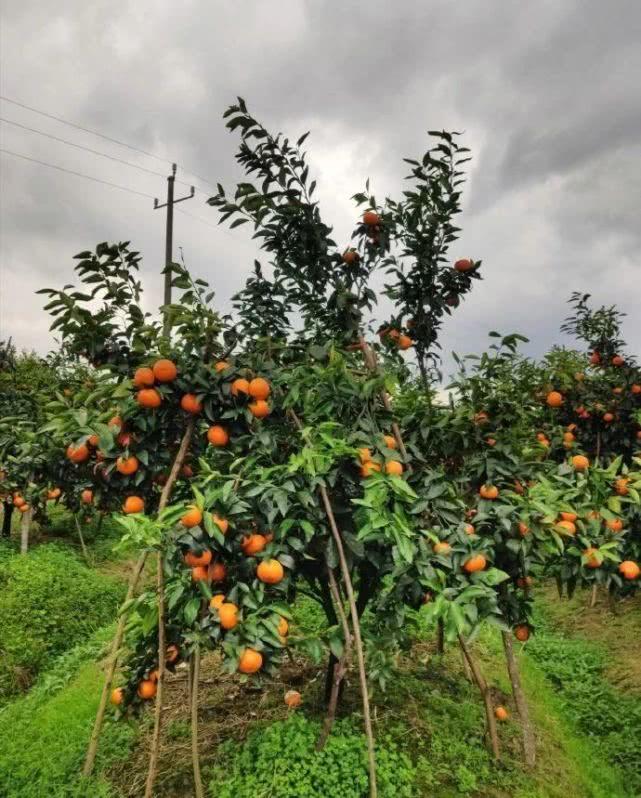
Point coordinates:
pixel 283 627
pixel 192 517
pixel 217 572
pixel 404 342
pixel 217 436
pixel 259 408
pixel 250 661
pixel 501 714
pixel 194 560
pixel 481 418
pixel 490 441
pixel 293 699
pixel 489 492
pixel 143 377
pixel 187 471
pixel 518 488
pixel 24 508
pixel 367 469
pixel 525 581
pixel 475 563
pixel 124 439
pixel 568 437
pixel 364 455
pixel 463 265
pixel 621 486
pixel 191 404
pixel 217 601
pixel 86 497
pixel 77 454
pixel 618 390
pixel 568 516
pixel 608 418
pixel 154 675
pixel 221 523
pixel 350 256
pixel 617 360
pixel 116 421
pixel 199 574
pixel 595 359
pixel 393 468
pixel 271 572
pixel 93 441
pixel 133 504
pixel 117 696
pixel 239 386
pixel 165 370
pixel 629 569
pixel 523 529
pixel 252 544
pixel 228 615
pixel 390 441
pixel 566 527
pixel 614 524
pixel 127 465
pixel 259 388
pixel 147 689
pixel 18 501
pixel 371 218
pixel 636 389
pixel 221 365
pixel 554 399
pixel 522 632
pixel 54 493
pixel 469 529
pixel 171 654
pixel 442 547
pixel 580 462
pixel 591 560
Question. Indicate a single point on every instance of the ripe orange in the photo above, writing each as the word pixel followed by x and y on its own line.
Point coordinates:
pixel 475 563
pixel 636 389
pixel 192 517
pixel 24 508
pixel 617 391
pixel 490 441
pixel 144 377
pixel 442 547
pixel 117 696
pixel 194 560
pixel 568 437
pixel 271 572
pixel 252 544
pixel 350 256
pixel 580 462
pixel 523 529
pixel 404 342
pixel 124 439
pixel 199 574
pixel 390 441
pixel 154 675
pixel 489 492
pixel 614 524
pixel 127 465
pixel 629 569
pixel 595 359
pixel 221 523
pixel 165 370
pixel 191 404
pixel 147 689
pixel 259 408
pixel 54 493
pixel 228 614
pixel 591 560
pixel 217 436
pixel 481 418
pixel 621 486
pixel 568 516
pixel 78 454
pixel 133 504
pixel 86 497
pixel 171 654
pixel 116 421
pixel 518 488
pixel 217 572
pixel 239 386
pixel 371 218
pixel 617 360
pixel 522 632
pixel 368 468
pixel 187 471
pixel 250 661
pixel 393 468
pixel 93 441
pixel 283 627
pixel 259 388
pixel 469 529
pixel 221 365
pixel 463 265
pixel 566 527
pixel 608 418
pixel 217 601
pixel 525 581
pixel 18 501
pixel 293 699
pixel 501 714
pixel 364 455
pixel 554 399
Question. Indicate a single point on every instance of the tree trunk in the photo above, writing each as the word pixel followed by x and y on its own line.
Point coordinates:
pixel 25 526
pixel 487 698
pixel 195 758
pixel 593 595
pixel 529 742
pixel 85 553
pixel 6 519
pixel 440 637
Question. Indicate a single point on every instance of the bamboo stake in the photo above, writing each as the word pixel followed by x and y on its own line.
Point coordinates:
pixel 529 743
pixel 195 759
pixel 487 698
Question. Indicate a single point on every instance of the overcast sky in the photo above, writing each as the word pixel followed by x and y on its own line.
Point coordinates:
pixel 548 94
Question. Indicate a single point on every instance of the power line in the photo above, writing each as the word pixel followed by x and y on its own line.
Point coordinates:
pixel 84 129
pixel 86 149
pixel 77 174
pixel 102 136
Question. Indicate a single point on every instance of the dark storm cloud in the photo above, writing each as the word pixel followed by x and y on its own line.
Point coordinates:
pixel 547 95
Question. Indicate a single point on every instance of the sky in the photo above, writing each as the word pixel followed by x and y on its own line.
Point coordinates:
pixel 547 95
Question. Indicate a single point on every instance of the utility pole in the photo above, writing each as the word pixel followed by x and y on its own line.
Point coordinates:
pixel 169 239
